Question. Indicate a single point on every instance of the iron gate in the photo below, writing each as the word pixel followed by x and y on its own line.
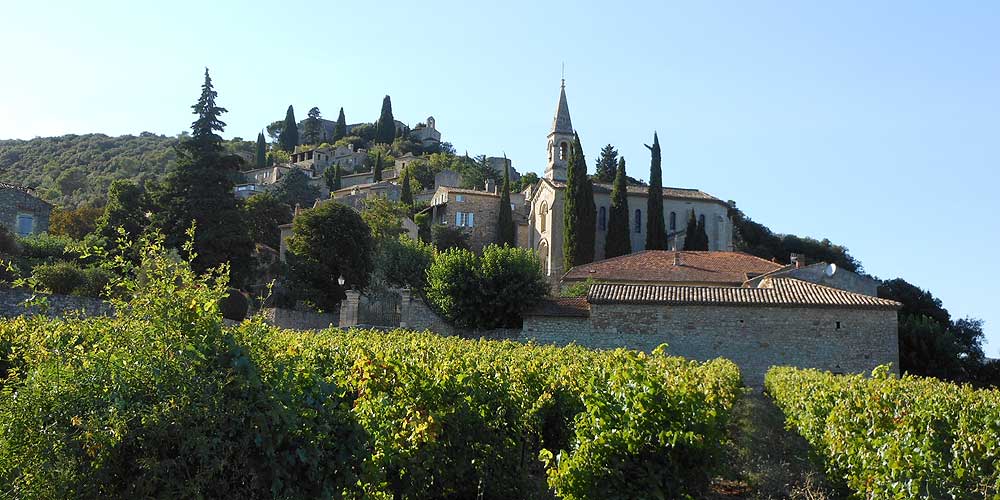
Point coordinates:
pixel 380 308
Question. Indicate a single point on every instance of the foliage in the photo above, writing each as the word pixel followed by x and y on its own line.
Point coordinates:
pixel 695 237
pixel 126 211
pixel 74 223
pixel 756 239
pixel 311 128
pixel 44 246
pixel 9 245
pixel 199 190
pixel 234 306
pixel 60 277
pixel 656 233
pixel 377 168
pixel 578 289
pixel 102 407
pixel 263 213
pixel 385 127
pixel 579 212
pixel 101 159
pixel 295 189
pixel 340 129
pixel 402 262
pixel 260 155
pixel 618 241
pixel 647 428
pixel 327 242
pixel 331 176
pixel 406 194
pixel 505 219
pixel 288 138
pixel 383 217
pixel 447 237
pixel 491 291
pixel 607 164
pixel 527 179
pixel 889 437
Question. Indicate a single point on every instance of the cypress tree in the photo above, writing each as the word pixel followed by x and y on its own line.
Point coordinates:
pixel 311 129
pixel 607 164
pixel 691 233
pixel 579 212
pixel 377 169
pixel 702 235
pixel 618 241
pixel 505 220
pixel 340 129
pixel 406 196
pixel 385 128
pixel 656 234
pixel 289 136
pixel 261 158
pixel 336 178
pixel 200 189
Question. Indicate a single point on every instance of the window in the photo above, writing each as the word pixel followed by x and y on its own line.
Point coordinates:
pixel 838 325
pixel 673 221
pixel 542 215
pixel 638 220
pixel 25 224
pixel 465 219
pixel 563 150
pixel 459 198
pixel 701 219
pixel 602 219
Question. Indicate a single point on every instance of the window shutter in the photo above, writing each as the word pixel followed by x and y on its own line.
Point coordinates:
pixel 471 218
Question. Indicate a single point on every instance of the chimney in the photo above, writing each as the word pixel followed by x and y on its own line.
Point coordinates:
pixel 798 259
pixel 677 259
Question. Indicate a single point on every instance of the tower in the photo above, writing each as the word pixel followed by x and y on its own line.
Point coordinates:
pixel 560 139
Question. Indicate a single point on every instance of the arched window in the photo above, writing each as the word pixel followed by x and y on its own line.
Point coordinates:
pixel 543 255
pixel 638 220
pixel 563 150
pixel 673 221
pixel 602 219
pixel 542 215
pixel 701 219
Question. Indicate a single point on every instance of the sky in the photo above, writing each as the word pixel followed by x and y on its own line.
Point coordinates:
pixel 873 124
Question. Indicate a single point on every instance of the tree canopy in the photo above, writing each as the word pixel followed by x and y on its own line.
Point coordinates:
pixel 288 138
pixel 385 128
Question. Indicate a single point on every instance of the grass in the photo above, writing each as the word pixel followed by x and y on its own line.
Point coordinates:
pixel 763 461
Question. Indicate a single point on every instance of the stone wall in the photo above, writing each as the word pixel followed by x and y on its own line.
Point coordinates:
pixel 12 304
pixel 299 320
pixel 15 200
pixel 839 340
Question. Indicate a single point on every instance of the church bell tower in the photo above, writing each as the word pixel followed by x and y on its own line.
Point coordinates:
pixel 560 140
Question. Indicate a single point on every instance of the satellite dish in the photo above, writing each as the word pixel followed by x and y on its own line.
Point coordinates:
pixel 830 269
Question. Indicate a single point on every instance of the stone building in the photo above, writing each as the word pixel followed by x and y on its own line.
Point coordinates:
pixel 780 321
pixel 475 212
pixel 546 206
pixel 21 212
pixel 426 133
pixel 667 267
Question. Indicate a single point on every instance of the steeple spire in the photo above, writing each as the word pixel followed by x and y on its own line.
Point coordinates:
pixel 560 139
pixel 562 124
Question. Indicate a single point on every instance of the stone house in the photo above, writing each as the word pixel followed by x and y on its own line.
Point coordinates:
pixel 427 133
pixel 21 212
pixel 546 206
pixel 780 321
pixel 475 212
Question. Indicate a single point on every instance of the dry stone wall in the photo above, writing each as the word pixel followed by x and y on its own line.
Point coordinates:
pixel 13 303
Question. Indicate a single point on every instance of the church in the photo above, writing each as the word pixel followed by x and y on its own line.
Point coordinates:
pixel 545 206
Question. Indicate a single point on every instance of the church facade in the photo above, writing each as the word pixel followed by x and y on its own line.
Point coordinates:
pixel 545 200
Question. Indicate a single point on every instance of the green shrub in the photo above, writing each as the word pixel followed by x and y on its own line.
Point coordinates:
pixel 403 262
pixel 46 246
pixel 446 237
pixel 95 283
pixel 890 437
pixel 61 277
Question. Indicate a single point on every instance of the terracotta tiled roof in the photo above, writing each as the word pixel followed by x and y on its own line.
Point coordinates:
pixel 657 266
pixel 772 292
pixel 572 307
pixel 469 191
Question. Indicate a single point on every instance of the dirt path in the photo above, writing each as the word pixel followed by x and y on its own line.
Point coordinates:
pixel 765 461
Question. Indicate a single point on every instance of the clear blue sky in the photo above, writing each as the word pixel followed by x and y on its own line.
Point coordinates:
pixel 874 124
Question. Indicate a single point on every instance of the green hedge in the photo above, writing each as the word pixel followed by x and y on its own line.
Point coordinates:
pixel 890 437
pixel 164 400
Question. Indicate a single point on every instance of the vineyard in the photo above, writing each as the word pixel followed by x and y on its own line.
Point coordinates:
pixel 891 437
pixel 163 400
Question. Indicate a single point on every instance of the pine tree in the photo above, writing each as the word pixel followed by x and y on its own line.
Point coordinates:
pixel 406 196
pixel 656 234
pixel 377 169
pixel 579 212
pixel 385 128
pixel 505 220
pixel 340 129
pixel 199 189
pixel 311 129
pixel 618 241
pixel 691 233
pixel 261 158
pixel 289 136
pixel 607 164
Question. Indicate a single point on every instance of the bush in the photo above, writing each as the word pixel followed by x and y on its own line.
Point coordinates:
pixel 890 437
pixel 95 282
pixel 446 237
pixel 45 246
pixel 234 306
pixel 403 262
pixel 61 278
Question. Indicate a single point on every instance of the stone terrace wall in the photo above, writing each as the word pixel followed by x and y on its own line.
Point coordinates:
pixel 299 320
pixel 753 337
pixel 12 304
